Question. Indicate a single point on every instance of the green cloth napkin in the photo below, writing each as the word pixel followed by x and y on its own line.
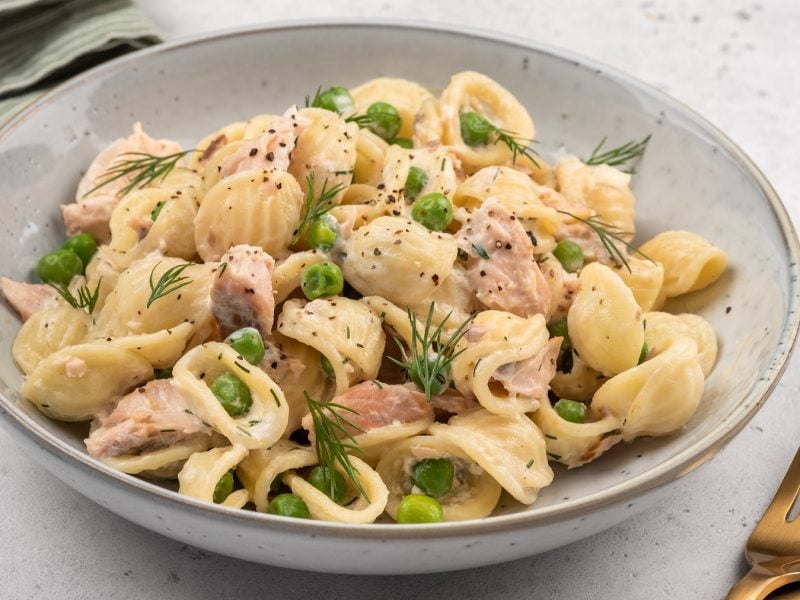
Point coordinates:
pixel 43 42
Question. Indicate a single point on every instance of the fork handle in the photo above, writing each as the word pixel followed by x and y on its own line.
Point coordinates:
pixel 757 584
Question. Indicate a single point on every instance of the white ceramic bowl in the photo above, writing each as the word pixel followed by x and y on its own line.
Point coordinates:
pixel 692 177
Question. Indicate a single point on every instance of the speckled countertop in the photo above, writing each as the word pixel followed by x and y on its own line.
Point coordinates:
pixel 735 63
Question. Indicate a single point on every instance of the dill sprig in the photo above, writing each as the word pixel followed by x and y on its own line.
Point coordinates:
pixel 313 101
pixel 171 280
pixel 316 207
pixel 618 156
pixel 608 234
pixel 87 299
pixel 333 440
pixel 517 144
pixel 145 169
pixel 368 119
pixel 430 358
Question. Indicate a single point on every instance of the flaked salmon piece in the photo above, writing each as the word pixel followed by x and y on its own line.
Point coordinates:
pixel 75 367
pixel 154 416
pixel 241 290
pixel 217 143
pixel 530 378
pixel 270 151
pixel 279 365
pixel 377 405
pixel 91 211
pixel 141 224
pixel 91 216
pixel 452 402
pixel 500 265
pixel 138 141
pixel 28 298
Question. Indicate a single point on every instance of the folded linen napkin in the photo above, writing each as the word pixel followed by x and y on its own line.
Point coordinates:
pixel 43 42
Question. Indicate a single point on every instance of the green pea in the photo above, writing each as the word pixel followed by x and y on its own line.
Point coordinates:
pixel 326 366
pixel 475 129
pixel 384 120
pixel 247 342
pixel 416 508
pixel 569 254
pixel 570 410
pixel 322 233
pixel 232 393
pixel 415 181
pixel 434 211
pixel 559 329
pixel 643 353
pixel 163 373
pixel 322 280
pixel 157 210
pixel 288 505
pixel 223 488
pixel 335 488
pixel 60 266
pixel 84 245
pixel 403 143
pixel 336 99
pixel 439 383
pixel 434 476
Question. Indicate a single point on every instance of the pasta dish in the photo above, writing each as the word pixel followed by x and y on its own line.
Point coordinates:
pixel 382 301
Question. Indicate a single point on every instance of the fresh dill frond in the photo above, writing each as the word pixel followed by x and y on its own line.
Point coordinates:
pixel 367 119
pixel 333 440
pixel 313 101
pixel 517 145
pixel 618 156
pixel 429 359
pixel 144 167
pixel 317 206
pixel 609 234
pixel 87 299
pixel 171 280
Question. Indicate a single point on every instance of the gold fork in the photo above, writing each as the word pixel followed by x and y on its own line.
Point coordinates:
pixel 773 550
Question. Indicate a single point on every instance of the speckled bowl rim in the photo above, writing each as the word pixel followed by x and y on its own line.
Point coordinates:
pixel 670 470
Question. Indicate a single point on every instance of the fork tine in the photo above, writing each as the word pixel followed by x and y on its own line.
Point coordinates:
pixel 787 493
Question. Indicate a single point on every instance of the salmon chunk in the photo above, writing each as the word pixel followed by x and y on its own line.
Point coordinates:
pixel 377 405
pixel 500 263
pixel 151 417
pixel 272 150
pixel 241 290
pixel 28 298
pixel 91 216
pixel 138 141
pixel 530 378
pixel 91 211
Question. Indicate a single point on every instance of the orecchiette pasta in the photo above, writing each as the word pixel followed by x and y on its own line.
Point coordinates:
pixel 605 323
pixel 399 259
pixel 345 331
pixel 470 91
pixel 690 261
pixel 265 420
pixel 657 397
pixel 384 304
pixel 474 494
pixel 74 383
pixel 511 449
pixel 500 362
pixel 257 208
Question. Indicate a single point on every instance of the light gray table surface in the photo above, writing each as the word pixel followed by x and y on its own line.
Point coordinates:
pixel 734 62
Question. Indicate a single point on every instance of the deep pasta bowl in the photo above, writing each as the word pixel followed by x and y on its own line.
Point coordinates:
pixel 692 178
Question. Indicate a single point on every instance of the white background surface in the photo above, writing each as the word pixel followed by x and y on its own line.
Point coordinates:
pixel 734 62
